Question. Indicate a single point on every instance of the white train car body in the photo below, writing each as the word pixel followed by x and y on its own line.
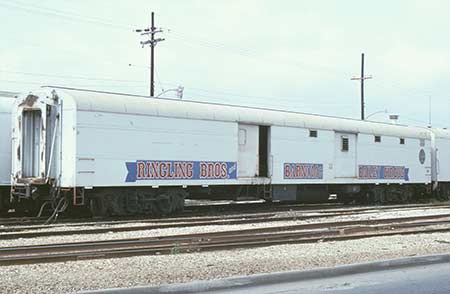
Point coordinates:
pixel 91 140
pixel 442 145
pixel 6 104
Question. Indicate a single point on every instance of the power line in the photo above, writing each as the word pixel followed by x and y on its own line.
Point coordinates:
pixel 187 38
pixel 192 41
pixel 212 92
pixel 65 15
pixel 71 85
pixel 70 77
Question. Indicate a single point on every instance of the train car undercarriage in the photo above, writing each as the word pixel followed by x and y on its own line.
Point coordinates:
pixel 123 201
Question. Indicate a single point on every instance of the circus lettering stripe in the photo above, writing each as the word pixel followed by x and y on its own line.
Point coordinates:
pixel 142 170
pixel 303 171
pixel 383 172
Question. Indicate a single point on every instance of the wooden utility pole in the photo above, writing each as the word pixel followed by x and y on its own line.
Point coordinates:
pixel 151 31
pixel 429 111
pixel 362 78
pixel 152 58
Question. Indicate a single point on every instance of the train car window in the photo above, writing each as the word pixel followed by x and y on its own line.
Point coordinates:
pixel 377 139
pixel 422 142
pixel 402 141
pixel 344 144
pixel 242 136
pixel 313 133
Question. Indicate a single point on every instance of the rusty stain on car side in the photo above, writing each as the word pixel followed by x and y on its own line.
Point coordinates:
pixel 29 101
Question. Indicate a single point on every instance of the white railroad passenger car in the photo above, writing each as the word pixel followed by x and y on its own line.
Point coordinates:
pixel 6 103
pixel 442 149
pixel 124 154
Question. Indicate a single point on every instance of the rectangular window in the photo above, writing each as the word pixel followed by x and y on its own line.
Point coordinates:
pixel 313 133
pixel 422 142
pixel 377 139
pixel 242 136
pixel 402 141
pixel 344 144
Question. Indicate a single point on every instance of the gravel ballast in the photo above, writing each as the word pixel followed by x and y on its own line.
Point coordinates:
pixel 210 228
pixel 127 272
pixel 70 277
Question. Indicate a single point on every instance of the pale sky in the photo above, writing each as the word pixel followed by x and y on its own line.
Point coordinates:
pixel 295 55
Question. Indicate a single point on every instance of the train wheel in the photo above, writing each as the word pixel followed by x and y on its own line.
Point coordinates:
pixel 165 203
pixel 377 195
pixel 406 195
pixel 3 208
pixel 345 198
pixel 178 200
pixel 444 192
pixel 98 207
pixel 170 201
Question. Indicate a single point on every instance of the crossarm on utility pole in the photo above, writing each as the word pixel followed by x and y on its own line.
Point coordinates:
pixel 151 31
pixel 362 78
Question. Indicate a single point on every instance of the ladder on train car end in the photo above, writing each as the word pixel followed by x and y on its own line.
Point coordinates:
pixel 78 197
pixel 267 192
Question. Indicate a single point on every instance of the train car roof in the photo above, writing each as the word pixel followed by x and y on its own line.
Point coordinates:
pixel 8 94
pixel 6 101
pixel 89 100
pixel 442 133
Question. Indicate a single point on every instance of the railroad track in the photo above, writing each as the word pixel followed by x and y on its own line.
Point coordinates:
pixel 225 210
pixel 189 211
pixel 36 231
pixel 29 222
pixel 295 234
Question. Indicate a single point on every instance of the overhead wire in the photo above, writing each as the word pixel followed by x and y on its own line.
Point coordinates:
pixel 70 77
pixel 186 38
pixel 193 40
pixel 62 14
pixel 71 85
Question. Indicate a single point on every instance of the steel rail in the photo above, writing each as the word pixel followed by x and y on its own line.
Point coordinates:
pixel 218 240
pixel 245 218
pixel 27 221
pixel 190 211
pixel 221 222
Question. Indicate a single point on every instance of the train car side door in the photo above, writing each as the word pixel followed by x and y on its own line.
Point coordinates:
pixel 248 136
pixel 345 155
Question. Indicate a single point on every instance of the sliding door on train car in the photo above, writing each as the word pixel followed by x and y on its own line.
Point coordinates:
pixel 345 154
pixel 31 143
pixel 254 153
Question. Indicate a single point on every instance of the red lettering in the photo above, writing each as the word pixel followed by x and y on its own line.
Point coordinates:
pixel 224 171
pixel 297 171
pixel 210 170
pixel 217 170
pixel 155 170
pixel 189 170
pixel 287 171
pixel 181 173
pixel 140 170
pixel 304 171
pixel 170 173
pixel 148 173
pixel 162 170
pixel 203 170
